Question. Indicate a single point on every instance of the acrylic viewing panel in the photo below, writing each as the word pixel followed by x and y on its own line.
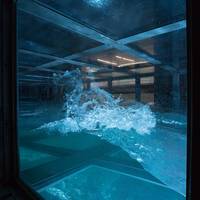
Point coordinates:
pixel 102 98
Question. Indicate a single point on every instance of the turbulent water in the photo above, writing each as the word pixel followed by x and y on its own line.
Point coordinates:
pixel 132 128
pixel 96 109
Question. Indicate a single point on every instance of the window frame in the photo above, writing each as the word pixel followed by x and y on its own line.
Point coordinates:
pixel 8 102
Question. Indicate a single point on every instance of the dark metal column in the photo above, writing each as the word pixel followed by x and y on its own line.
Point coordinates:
pixel 176 90
pixel 88 85
pixel 110 84
pixel 137 88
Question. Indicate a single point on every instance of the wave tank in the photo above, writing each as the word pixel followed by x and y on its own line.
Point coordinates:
pixel 102 99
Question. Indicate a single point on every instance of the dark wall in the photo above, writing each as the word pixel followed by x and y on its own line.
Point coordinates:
pixel 184 93
pixel 8 148
pixel 41 92
pixel 164 92
pixel 162 88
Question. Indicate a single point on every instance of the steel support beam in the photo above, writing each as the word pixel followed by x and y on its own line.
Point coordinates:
pixel 122 77
pixel 51 16
pixel 34 76
pixel 176 92
pixel 88 84
pixel 30 79
pixel 137 88
pixel 155 32
pixel 43 12
pixel 110 83
pixel 138 37
pixel 61 60
pixel 38 69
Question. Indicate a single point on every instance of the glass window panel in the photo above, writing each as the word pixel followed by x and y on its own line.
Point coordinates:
pixel 102 98
pixel 107 15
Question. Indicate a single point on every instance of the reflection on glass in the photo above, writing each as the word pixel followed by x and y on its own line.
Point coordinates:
pixel 102 114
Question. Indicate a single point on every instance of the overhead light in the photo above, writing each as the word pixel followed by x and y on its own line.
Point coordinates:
pixel 127 59
pixel 133 63
pixel 106 61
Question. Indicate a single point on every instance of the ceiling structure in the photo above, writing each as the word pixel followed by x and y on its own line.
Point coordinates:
pixel 104 38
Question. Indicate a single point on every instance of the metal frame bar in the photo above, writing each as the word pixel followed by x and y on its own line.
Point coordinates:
pixel 30 68
pixel 155 32
pixel 64 60
pixel 134 75
pixel 47 14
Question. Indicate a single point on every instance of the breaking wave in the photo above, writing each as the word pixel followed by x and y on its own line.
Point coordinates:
pixel 96 109
pixel 97 112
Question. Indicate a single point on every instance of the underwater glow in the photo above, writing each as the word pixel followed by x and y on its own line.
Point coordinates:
pixel 97 3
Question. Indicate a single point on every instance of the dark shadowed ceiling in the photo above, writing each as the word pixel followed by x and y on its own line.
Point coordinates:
pixel 65 34
pixel 118 19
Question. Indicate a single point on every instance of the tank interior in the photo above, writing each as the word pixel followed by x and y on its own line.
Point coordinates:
pixel 102 98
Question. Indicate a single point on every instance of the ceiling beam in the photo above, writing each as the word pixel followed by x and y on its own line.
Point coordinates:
pixel 30 83
pixel 155 32
pixel 137 53
pixel 124 70
pixel 56 18
pixel 34 76
pixel 89 51
pixel 134 38
pixel 61 60
pixel 52 16
pixel 43 12
pixel 30 68
pixel 28 52
pixel 30 79
pixel 122 77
